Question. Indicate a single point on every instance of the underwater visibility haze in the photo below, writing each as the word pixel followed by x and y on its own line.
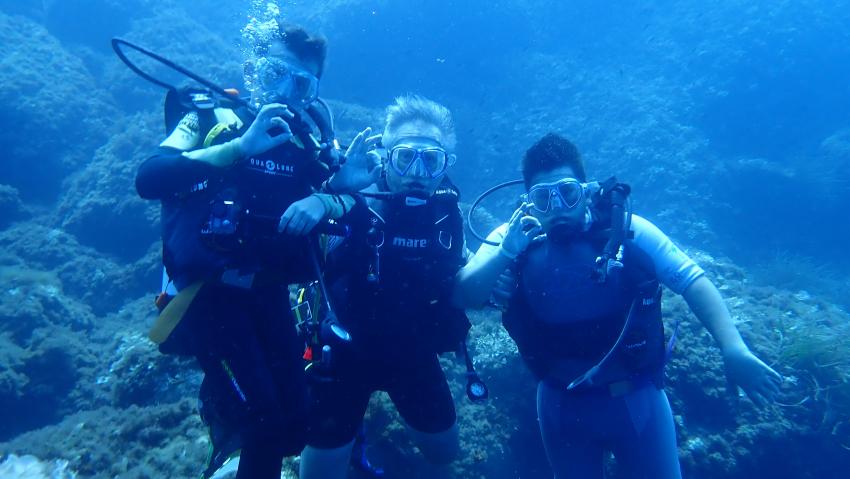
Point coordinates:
pixel 729 119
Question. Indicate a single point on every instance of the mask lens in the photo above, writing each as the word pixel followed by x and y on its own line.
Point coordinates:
pixel 571 193
pixel 402 158
pixel 539 197
pixel 282 82
pixel 435 161
pixel 306 87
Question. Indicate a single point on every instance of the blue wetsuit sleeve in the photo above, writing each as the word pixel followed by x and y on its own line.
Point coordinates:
pixel 674 268
pixel 168 173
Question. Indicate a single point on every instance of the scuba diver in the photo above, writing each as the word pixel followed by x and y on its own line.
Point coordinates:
pixel 582 278
pixel 391 282
pixel 240 183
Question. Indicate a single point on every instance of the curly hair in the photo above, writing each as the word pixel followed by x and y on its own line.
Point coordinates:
pixel 550 152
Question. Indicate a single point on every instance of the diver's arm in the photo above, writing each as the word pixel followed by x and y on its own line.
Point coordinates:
pixel 168 173
pixel 475 281
pixel 680 273
pixel 178 167
pixel 187 137
pixel 708 306
pixel 743 368
pixel 481 276
pixel 684 276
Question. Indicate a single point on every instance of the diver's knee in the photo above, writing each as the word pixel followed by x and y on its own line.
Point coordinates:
pixel 317 463
pixel 439 447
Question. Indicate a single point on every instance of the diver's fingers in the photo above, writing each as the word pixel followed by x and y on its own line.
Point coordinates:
pixel 529 220
pixel 373 139
pixel 534 232
pixel 305 226
pixel 296 227
pixel 283 136
pixel 516 215
pixel 357 142
pixel 272 110
pixel 773 375
pixel 772 386
pixel 285 219
pixel 757 399
pixel 281 123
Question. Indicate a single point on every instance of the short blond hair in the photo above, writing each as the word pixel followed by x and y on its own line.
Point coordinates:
pixel 415 108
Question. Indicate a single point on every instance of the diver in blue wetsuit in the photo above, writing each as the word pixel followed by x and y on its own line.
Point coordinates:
pixel 584 309
pixel 241 187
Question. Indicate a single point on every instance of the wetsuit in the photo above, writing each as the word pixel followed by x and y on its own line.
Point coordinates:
pixel 239 326
pixel 395 301
pixel 564 323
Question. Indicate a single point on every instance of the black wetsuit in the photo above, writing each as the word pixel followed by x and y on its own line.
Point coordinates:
pixel 399 322
pixel 242 334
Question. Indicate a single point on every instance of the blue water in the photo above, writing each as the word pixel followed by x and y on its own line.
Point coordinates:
pixel 729 119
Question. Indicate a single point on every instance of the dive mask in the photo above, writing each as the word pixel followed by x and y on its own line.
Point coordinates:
pixel 566 193
pixel 283 82
pixel 429 161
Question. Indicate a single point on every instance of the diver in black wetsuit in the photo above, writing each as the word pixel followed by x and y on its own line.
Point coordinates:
pixel 588 323
pixel 391 284
pixel 240 193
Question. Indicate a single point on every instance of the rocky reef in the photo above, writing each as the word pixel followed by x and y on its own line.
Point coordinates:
pixel 84 394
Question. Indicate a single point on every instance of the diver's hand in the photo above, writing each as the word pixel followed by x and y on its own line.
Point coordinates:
pixel 505 287
pixel 362 165
pixel 522 229
pixel 302 216
pixel 258 139
pixel 757 379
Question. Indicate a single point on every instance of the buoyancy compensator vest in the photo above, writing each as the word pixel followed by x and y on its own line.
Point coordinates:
pixel 406 253
pixel 587 312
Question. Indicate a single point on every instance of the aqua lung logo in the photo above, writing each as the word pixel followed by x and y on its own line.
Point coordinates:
pixel 410 242
pixel 272 167
pixel 445 191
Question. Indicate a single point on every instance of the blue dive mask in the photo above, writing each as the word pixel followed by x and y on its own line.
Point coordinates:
pixel 283 82
pixel 428 161
pixel 566 193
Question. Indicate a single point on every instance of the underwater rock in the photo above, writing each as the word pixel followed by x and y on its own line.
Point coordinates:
pixel 100 206
pixel 85 274
pixel 49 128
pixel 166 440
pixel 39 387
pixel 34 299
pixel 141 376
pixel 10 205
